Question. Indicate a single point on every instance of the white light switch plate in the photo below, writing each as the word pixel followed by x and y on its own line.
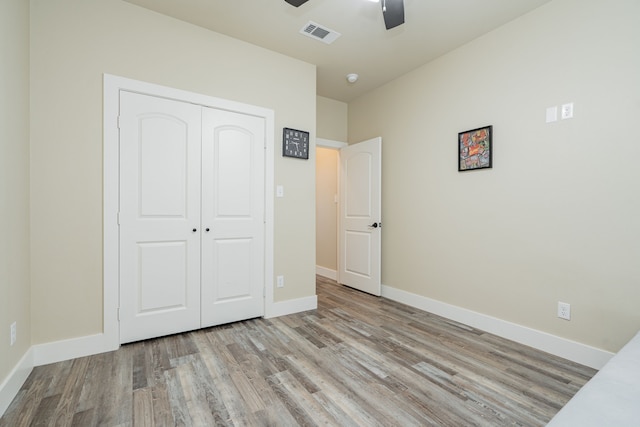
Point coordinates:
pixel 552 114
pixel 279 191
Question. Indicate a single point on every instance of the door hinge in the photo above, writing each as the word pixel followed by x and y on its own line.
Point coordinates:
pixel 118 218
pixel 118 122
pixel 118 314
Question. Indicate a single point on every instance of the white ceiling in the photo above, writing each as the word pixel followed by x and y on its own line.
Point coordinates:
pixel 432 28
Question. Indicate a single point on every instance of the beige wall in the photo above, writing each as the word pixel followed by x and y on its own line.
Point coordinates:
pixel 14 182
pixel 73 42
pixel 556 219
pixel 326 208
pixel 331 119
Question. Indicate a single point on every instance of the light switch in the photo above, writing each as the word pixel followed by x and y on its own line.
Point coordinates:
pixel 552 114
pixel 279 191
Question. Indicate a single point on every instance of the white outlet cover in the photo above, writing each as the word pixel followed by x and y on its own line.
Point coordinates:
pixel 567 111
pixel 564 310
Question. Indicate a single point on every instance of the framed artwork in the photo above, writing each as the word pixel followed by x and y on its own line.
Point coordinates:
pixel 475 149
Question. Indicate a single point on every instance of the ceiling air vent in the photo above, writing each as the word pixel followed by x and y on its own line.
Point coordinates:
pixel 318 32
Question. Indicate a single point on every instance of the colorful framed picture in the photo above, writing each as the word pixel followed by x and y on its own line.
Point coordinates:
pixel 475 149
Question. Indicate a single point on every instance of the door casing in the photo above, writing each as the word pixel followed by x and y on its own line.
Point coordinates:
pixel 112 87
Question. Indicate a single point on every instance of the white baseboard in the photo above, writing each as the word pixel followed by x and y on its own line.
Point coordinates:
pixel 326 272
pixel 14 381
pixel 52 352
pixel 562 347
pixel 72 348
pixel 292 306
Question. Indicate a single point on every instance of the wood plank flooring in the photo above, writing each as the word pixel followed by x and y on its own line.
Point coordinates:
pixel 357 360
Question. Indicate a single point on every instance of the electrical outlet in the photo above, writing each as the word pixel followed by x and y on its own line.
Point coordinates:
pixel 14 334
pixel 564 310
pixel 567 111
pixel 280 281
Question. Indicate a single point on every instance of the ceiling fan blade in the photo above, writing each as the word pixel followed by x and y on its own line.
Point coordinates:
pixel 296 3
pixel 394 14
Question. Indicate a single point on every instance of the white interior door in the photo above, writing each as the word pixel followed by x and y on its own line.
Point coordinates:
pixel 360 216
pixel 159 216
pixel 233 203
pixel 192 216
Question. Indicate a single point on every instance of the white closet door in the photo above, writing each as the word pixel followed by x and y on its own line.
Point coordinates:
pixel 159 216
pixel 233 203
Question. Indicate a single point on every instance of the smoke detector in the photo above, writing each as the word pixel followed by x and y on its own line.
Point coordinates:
pixel 352 77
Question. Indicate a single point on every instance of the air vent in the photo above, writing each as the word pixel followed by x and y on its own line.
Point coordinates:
pixel 318 32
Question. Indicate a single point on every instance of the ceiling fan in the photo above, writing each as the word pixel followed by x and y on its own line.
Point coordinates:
pixel 392 11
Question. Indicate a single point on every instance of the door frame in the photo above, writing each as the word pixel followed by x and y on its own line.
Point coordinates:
pixel 112 85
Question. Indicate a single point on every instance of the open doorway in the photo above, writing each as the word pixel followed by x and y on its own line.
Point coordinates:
pixel 348 214
pixel 360 216
pixel 327 169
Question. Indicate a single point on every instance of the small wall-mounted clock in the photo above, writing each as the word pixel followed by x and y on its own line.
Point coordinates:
pixel 295 143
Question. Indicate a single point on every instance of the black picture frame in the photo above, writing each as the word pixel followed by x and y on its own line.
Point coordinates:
pixel 295 143
pixel 475 149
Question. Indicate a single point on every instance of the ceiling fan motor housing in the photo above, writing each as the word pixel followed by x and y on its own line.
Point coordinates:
pixel 296 3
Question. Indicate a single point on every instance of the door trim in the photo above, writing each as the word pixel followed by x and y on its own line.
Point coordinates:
pixel 112 85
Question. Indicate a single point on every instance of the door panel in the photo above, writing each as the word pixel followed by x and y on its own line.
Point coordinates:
pixel 233 275
pixel 359 246
pixel 163 166
pixel 233 172
pixel 233 158
pixel 358 168
pixel 162 262
pixel 159 208
pixel 360 216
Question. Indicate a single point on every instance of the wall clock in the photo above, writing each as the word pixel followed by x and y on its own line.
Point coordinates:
pixel 295 143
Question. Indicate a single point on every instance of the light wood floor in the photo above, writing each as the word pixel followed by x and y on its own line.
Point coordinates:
pixel 356 361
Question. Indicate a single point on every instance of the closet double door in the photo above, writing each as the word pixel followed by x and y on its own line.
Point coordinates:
pixel 191 216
